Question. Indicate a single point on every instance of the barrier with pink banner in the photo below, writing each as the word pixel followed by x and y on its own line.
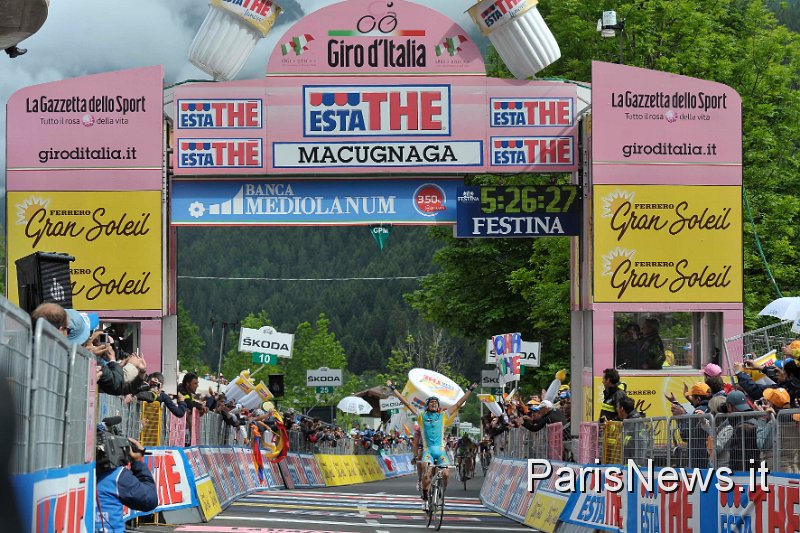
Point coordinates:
pixel 177 430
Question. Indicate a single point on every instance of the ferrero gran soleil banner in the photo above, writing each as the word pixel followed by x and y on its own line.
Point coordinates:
pixel 655 243
pixel 114 236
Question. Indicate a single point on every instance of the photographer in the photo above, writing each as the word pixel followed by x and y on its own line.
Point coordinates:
pixel 153 393
pixel 118 486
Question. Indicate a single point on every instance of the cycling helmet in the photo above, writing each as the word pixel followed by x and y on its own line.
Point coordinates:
pixel 431 399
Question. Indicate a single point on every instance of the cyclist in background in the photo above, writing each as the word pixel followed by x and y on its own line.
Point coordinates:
pixel 432 423
pixel 465 453
pixel 485 449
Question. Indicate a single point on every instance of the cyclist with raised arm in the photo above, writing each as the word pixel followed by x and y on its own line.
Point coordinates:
pixel 432 423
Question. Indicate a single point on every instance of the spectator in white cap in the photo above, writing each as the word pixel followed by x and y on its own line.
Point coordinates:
pixel 548 415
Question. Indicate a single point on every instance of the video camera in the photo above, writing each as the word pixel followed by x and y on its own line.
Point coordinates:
pixel 111 448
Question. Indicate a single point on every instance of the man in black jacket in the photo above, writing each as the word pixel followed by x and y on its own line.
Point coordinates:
pixel 613 392
pixel 156 394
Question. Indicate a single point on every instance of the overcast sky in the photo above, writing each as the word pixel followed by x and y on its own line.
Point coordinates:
pixel 89 36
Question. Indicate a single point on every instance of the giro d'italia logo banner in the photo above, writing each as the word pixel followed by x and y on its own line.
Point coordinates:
pixel 658 243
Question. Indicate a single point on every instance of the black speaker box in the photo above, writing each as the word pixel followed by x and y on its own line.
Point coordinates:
pixel 44 277
pixel 275 385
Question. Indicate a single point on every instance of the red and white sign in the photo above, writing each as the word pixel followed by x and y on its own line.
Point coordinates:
pixel 172 480
pixel 336 110
pixel 233 113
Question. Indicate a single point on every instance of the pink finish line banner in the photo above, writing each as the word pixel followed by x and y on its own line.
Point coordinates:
pixel 372 125
pixel 653 127
pixel 365 37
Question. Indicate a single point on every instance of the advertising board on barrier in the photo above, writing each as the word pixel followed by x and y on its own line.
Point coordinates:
pixel 57 500
pixel 126 226
pixel 411 201
pixel 173 478
pixel 657 243
pixel 675 125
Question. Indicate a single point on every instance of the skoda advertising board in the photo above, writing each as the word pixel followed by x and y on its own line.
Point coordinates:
pixel 324 377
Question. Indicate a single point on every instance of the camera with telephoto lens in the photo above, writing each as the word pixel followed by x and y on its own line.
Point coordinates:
pixel 111 448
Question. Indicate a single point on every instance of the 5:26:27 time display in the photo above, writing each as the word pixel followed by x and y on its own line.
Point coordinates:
pixel 529 199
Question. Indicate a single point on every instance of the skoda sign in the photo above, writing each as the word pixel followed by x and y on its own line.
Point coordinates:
pixel 266 340
pixel 324 377
pixel 528 354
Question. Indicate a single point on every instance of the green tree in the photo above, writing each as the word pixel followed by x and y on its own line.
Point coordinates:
pixel 314 347
pixel 487 287
pixel 190 343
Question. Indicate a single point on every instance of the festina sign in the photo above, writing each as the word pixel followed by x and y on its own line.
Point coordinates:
pixel 324 377
pixel 391 403
pixel 266 340
pixel 529 353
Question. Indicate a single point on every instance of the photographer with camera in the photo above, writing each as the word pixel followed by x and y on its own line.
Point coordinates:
pixel 152 392
pixel 117 485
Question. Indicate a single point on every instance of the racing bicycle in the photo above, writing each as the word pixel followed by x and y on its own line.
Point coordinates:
pixel 466 469
pixel 435 510
pixel 486 458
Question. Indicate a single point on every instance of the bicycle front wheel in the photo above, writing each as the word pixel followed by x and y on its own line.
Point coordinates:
pixel 439 509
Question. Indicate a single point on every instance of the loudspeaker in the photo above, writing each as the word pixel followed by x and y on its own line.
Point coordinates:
pixel 275 385
pixel 44 277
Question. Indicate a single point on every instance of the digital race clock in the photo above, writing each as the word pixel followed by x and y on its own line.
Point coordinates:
pixel 518 211
pixel 529 199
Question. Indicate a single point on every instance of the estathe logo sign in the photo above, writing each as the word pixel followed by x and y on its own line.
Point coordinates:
pixel 515 151
pixel 216 114
pixel 531 112
pixel 376 110
pixel 219 153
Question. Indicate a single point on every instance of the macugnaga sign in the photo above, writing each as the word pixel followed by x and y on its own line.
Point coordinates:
pixel 667 243
pixel 339 99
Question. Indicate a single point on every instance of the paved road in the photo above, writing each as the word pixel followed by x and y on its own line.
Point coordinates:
pixel 380 507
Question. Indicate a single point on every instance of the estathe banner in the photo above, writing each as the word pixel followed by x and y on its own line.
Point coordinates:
pixel 667 243
pixel 115 238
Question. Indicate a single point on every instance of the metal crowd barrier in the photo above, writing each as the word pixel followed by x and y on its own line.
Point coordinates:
pixel 744 440
pixel 546 443
pixel 49 373
pixel 79 419
pixel 691 439
pixel 645 440
pixel 787 441
pixel 16 355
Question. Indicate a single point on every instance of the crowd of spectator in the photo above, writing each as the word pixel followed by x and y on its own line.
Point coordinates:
pixel 757 393
pixel 533 414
